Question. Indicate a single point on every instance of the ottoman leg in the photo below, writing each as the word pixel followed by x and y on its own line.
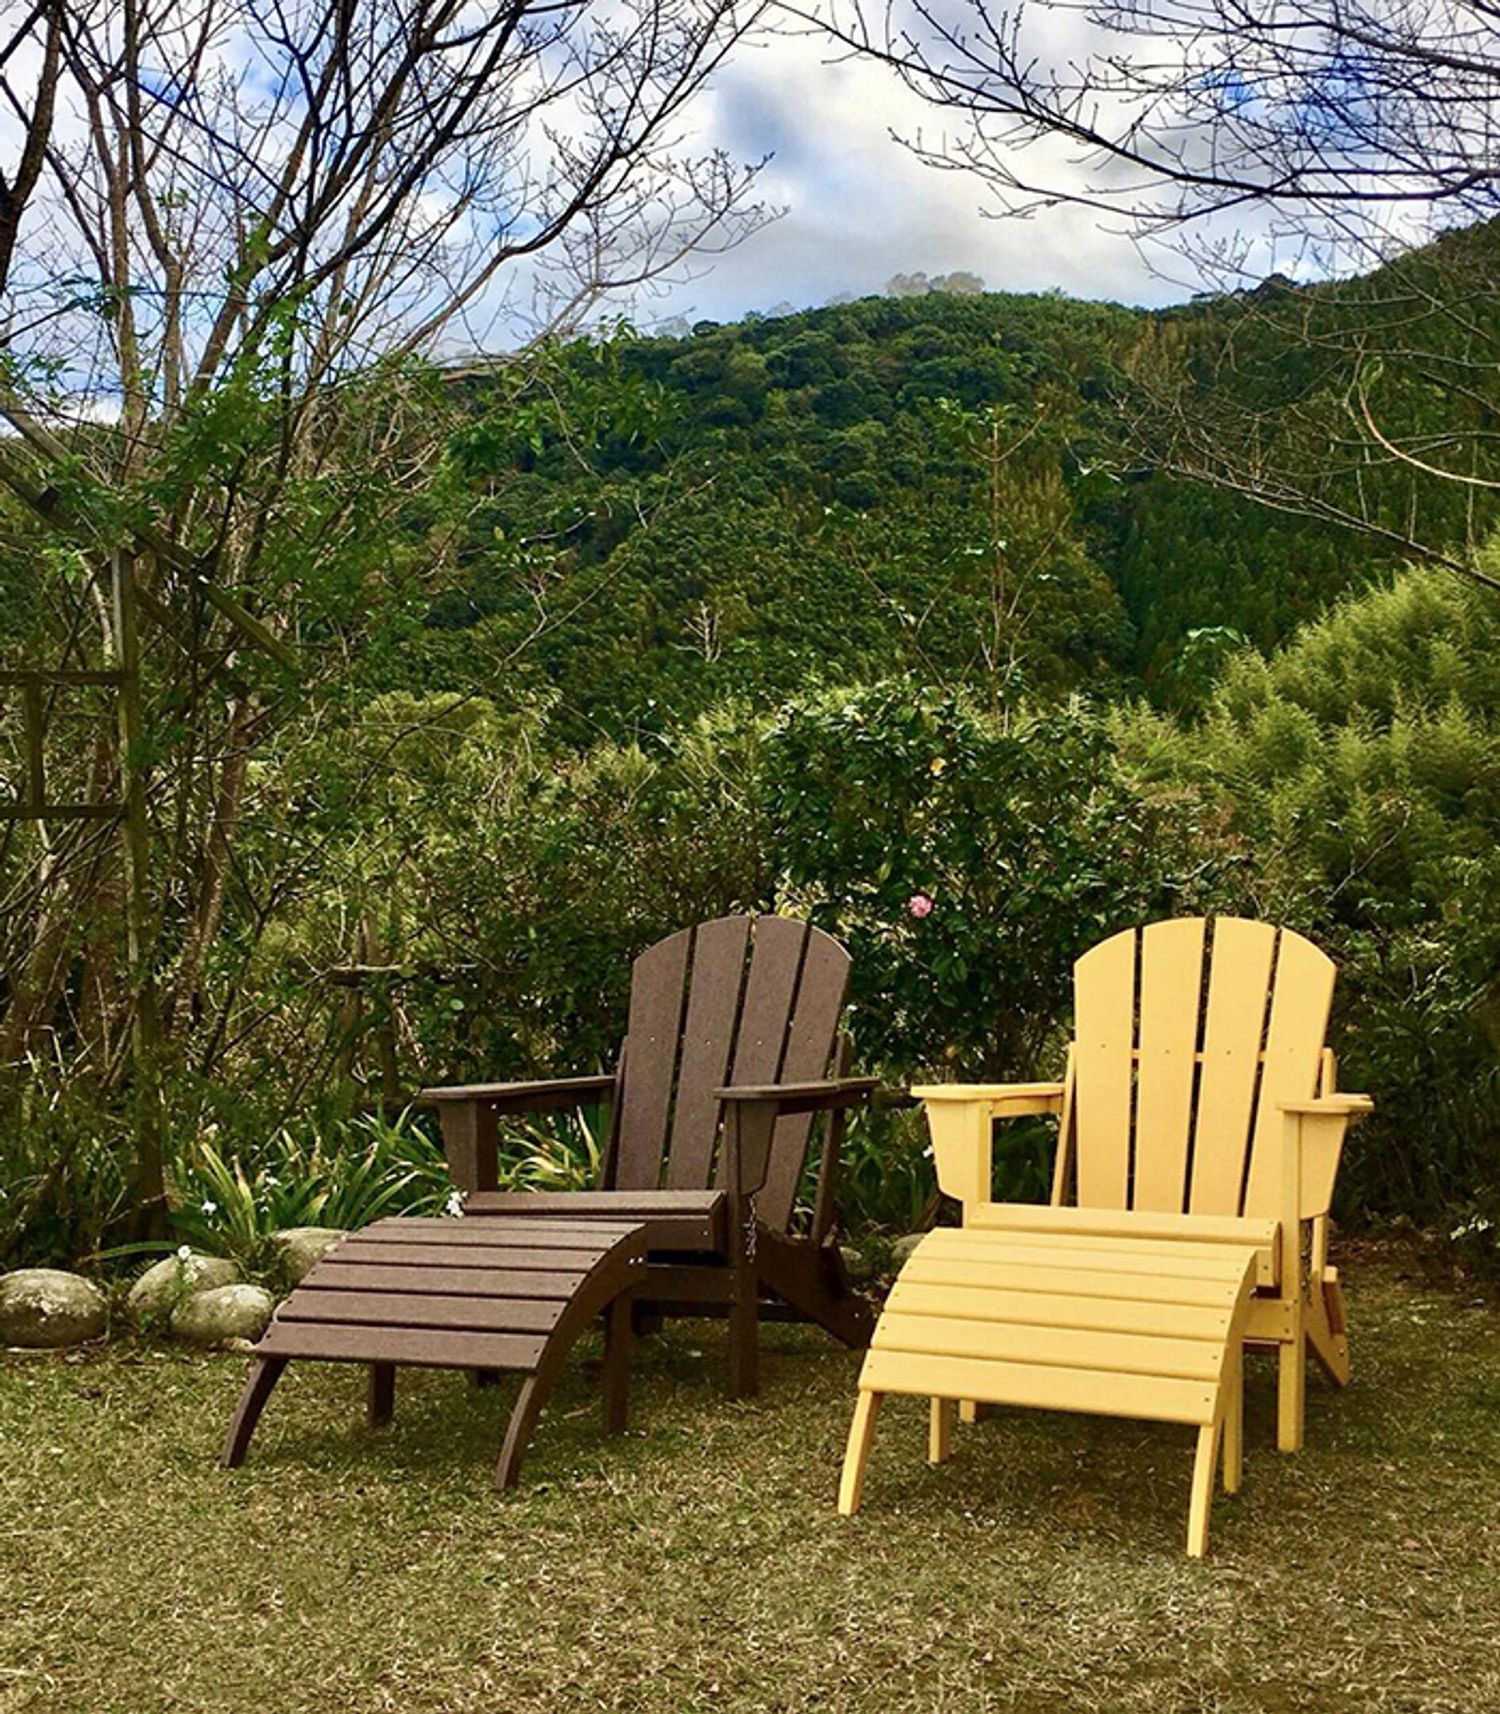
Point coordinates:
pixel 1203 1489
pixel 857 1455
pixel 940 1430
pixel 265 1372
pixel 528 1405
pixel 617 1340
pixel 382 1397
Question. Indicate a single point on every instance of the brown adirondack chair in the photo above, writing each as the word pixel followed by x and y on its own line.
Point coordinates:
pixel 731 1049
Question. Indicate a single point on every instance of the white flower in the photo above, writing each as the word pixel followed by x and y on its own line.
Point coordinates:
pixel 454 1206
pixel 210 1206
pixel 1470 1227
pixel 184 1252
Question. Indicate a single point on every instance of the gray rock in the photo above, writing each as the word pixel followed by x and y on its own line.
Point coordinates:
pixel 167 1283
pixel 856 1262
pixel 44 1308
pixel 222 1313
pixel 300 1248
pixel 901 1248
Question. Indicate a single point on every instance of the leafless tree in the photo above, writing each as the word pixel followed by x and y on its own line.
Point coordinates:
pixel 238 239
pixel 34 36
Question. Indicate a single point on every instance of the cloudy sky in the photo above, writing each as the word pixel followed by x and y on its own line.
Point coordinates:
pixel 860 208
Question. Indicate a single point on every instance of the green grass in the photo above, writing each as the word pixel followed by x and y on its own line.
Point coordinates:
pixel 698 1563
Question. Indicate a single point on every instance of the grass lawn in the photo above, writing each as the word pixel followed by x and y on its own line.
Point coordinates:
pixel 698 1564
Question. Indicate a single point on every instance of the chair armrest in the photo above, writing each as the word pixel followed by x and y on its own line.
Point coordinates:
pixel 751 1112
pixel 1005 1100
pixel 1312 1143
pixel 539 1096
pixel 815 1097
pixel 959 1116
pixel 469 1113
pixel 1346 1106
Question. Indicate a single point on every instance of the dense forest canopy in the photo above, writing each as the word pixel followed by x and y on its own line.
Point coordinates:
pixel 940 485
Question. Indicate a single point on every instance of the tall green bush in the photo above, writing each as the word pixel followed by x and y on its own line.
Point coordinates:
pixel 1360 770
pixel 966 858
pixel 967 853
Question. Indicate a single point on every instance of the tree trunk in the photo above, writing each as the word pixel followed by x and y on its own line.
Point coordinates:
pixel 213 880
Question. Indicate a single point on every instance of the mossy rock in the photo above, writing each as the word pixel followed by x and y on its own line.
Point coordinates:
pixel 169 1282
pixel 221 1313
pixel 44 1309
pixel 299 1249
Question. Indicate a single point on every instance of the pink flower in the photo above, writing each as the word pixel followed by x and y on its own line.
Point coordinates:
pixel 920 904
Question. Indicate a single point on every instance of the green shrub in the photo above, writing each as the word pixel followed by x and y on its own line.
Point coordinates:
pixel 1359 769
pixel 228 1202
pixel 65 1171
pixel 966 858
pixel 966 851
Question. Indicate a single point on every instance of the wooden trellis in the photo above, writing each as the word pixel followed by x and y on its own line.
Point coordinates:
pixel 129 809
pixel 33 804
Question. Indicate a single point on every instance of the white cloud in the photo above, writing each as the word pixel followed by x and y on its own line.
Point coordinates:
pixel 861 208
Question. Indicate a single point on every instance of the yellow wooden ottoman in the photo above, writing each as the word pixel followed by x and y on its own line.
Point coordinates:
pixel 1117 1326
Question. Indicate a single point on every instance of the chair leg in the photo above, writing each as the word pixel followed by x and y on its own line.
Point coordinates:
pixel 1234 1421
pixel 616 1379
pixel 971 1411
pixel 744 1335
pixel 940 1430
pixel 265 1372
pixel 857 1453
pixel 1291 1392
pixel 1203 1489
pixel 645 1321
pixel 1327 1331
pixel 381 1406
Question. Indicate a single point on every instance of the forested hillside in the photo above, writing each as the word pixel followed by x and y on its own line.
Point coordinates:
pixel 951 486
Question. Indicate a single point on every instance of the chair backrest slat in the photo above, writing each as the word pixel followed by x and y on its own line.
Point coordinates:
pixel 713 1010
pixel 1171 981
pixel 740 1000
pixel 770 989
pixel 1300 1003
pixel 657 984
pixel 1239 984
pixel 1166 1124
pixel 1104 997
pixel 813 1033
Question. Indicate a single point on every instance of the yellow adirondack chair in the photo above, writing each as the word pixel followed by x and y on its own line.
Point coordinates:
pixel 1199 1139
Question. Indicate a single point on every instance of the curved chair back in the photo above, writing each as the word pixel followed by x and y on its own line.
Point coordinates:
pixel 744 999
pixel 1188 1033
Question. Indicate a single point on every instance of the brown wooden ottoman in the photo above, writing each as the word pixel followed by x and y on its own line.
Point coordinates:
pixel 499 1294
